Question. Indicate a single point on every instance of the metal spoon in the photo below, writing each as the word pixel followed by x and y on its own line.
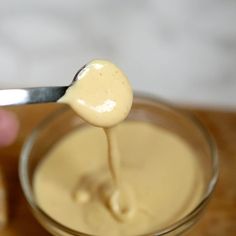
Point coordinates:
pixel 34 95
pixel 30 95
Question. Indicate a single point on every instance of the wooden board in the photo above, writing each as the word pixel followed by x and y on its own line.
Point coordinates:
pixel 218 220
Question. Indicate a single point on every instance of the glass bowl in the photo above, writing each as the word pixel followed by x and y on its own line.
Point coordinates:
pixel 145 108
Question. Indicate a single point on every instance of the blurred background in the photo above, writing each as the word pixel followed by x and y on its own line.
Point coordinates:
pixel 180 50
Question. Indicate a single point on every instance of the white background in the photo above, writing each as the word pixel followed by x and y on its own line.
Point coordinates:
pixel 181 50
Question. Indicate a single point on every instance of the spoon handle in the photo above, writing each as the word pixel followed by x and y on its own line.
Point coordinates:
pixel 31 95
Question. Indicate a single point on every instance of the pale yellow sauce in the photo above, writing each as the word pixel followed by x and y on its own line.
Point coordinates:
pixel 120 180
pixel 160 172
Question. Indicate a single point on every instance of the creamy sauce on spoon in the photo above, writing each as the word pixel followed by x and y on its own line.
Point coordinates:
pixel 101 94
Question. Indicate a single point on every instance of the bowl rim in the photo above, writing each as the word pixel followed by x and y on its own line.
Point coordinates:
pixel 144 98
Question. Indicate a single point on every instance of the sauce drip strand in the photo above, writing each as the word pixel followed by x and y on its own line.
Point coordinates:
pixel 102 96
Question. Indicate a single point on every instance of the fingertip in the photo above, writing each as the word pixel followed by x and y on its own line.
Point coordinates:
pixel 9 127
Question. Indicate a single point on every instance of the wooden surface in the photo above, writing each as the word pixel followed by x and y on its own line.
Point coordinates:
pixel 219 218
